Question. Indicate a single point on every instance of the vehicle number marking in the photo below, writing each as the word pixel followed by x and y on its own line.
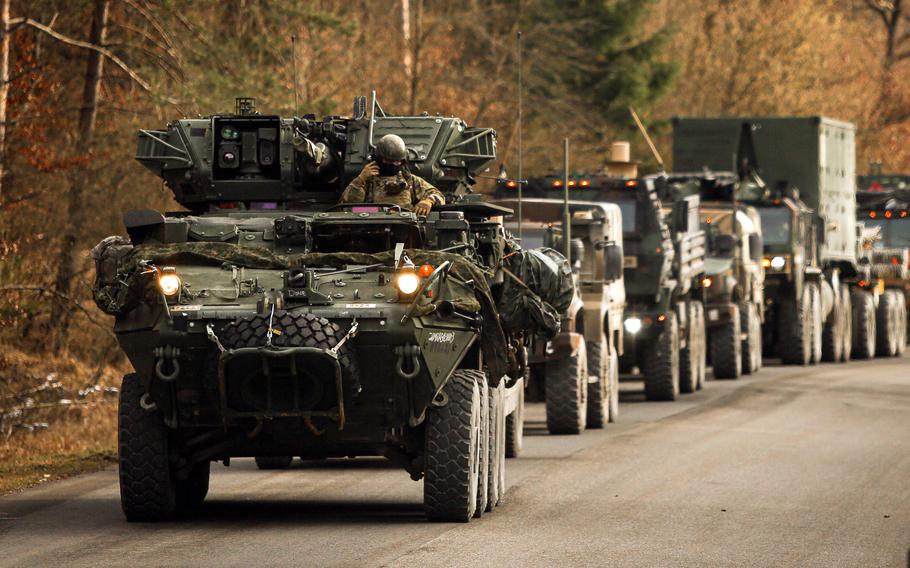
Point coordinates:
pixel 360 306
pixel 194 308
pixel 630 262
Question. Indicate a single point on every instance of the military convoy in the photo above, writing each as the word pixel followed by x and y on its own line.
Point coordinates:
pixel 268 321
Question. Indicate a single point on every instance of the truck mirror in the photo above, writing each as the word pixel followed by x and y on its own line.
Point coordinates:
pixel 613 262
pixel 756 247
pixel 725 245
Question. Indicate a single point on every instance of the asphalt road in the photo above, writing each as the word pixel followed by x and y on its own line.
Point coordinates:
pixel 792 467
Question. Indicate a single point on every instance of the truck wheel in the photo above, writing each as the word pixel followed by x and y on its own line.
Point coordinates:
pixel 795 329
pixel 515 427
pixel 496 471
pixel 688 355
pixel 847 329
pixel 863 325
pixel 567 393
pixel 661 363
pixel 614 385
pixel 726 348
pixel 599 383
pixel 274 462
pixel 703 345
pixel 816 323
pixel 832 332
pixel 886 326
pixel 483 475
pixel 191 491
pixel 452 460
pixel 148 491
pixel 751 344
pixel 901 309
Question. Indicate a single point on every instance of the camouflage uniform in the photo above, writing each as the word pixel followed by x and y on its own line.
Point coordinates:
pixel 403 189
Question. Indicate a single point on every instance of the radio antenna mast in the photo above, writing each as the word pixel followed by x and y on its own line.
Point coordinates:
pixel 644 132
pixel 294 58
pixel 520 173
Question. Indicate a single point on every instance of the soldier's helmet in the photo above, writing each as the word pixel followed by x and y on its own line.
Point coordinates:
pixel 391 147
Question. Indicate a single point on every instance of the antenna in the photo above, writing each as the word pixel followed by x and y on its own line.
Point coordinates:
pixel 567 226
pixel 294 57
pixel 644 132
pixel 520 174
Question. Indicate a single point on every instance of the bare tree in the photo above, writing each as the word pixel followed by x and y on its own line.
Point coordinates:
pixel 892 16
pixel 4 84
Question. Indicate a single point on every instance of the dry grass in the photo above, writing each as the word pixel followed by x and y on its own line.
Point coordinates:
pixel 58 417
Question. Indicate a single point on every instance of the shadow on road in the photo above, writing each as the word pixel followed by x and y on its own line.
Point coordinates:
pixel 223 513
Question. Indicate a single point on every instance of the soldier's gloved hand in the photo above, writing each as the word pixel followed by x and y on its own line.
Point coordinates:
pixel 368 171
pixel 423 207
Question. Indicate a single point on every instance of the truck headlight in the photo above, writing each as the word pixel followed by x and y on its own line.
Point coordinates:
pixel 169 283
pixel 407 283
pixel 778 263
pixel 633 325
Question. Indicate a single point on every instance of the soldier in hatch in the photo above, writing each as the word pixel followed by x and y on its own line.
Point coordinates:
pixel 387 181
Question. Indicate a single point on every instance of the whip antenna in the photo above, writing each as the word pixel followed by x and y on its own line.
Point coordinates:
pixel 294 57
pixel 520 174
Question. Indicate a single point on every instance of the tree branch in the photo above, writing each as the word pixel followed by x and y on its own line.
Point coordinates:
pixel 85 45
pixel 61 296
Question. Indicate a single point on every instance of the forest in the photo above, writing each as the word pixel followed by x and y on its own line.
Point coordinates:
pixel 79 78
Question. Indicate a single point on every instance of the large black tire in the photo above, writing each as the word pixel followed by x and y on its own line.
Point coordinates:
pixel 703 352
pixel 794 329
pixel 726 348
pixel 751 330
pixel 614 386
pixel 496 471
pixel 483 475
pixel 886 325
pixel 599 383
pixel 274 462
pixel 515 427
pixel 816 323
pixel 688 355
pixel 833 332
pixel 452 458
pixel 191 492
pixel 660 363
pixel 901 309
pixel 297 330
pixel 847 338
pixel 863 324
pixel 148 490
pixel 567 393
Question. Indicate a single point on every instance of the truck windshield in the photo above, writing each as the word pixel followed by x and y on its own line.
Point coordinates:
pixel 895 232
pixel 627 208
pixel 775 225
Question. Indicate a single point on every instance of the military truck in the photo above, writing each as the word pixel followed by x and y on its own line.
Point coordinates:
pixel 886 210
pixel 664 322
pixel 579 368
pixel 799 174
pixel 734 276
pixel 267 321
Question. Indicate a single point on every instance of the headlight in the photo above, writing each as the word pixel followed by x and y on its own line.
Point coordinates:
pixel 407 283
pixel 169 283
pixel 778 263
pixel 707 281
pixel 633 325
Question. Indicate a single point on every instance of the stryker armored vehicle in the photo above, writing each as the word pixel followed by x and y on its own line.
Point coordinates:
pixel 579 368
pixel 799 174
pixel 734 276
pixel 887 210
pixel 268 321
pixel 664 264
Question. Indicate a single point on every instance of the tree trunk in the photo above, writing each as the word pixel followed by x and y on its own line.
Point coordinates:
pixel 67 265
pixel 4 86
pixel 406 36
pixel 417 42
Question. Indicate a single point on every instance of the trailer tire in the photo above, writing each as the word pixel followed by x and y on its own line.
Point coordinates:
pixel 901 308
pixel 816 324
pixel 148 490
pixel 886 325
pixel 833 332
pixel 863 325
pixel 599 388
pixel 847 312
pixel 751 330
pixel 567 393
pixel 661 363
pixel 515 427
pixel 688 355
pixel 703 348
pixel 496 473
pixel 614 386
pixel 795 329
pixel 483 475
pixel 452 457
pixel 726 348
pixel 269 463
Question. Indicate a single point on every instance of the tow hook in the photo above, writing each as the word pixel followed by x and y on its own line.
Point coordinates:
pixel 403 351
pixel 167 352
